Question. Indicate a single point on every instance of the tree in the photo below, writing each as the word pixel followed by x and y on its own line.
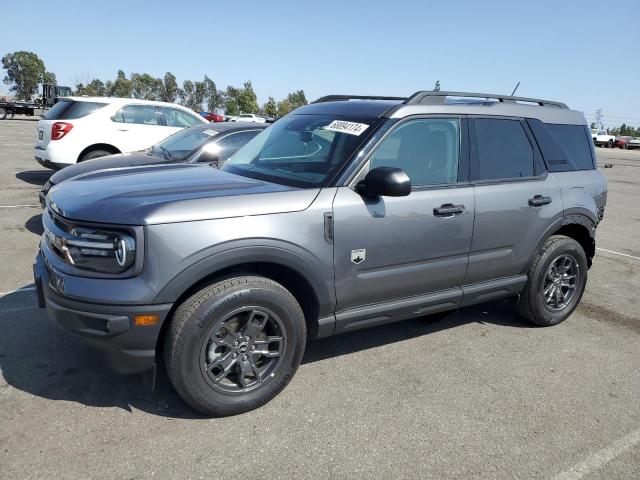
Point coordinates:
pixel 121 88
pixel 297 99
pixel 270 108
pixel 49 77
pixel 25 71
pixel 169 88
pixel 231 96
pixel 284 107
pixel 191 95
pixel 247 99
pixel 213 97
pixel 95 88
pixel 199 95
pixel 436 87
pixel 146 87
pixel 593 126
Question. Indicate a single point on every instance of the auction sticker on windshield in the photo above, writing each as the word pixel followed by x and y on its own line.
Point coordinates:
pixel 352 128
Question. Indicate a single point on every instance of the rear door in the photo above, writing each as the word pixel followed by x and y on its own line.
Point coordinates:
pixel 397 257
pixel 136 127
pixel 517 201
pixel 175 119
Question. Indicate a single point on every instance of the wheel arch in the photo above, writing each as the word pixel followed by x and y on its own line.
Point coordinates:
pixel 293 271
pixel 98 146
pixel 579 226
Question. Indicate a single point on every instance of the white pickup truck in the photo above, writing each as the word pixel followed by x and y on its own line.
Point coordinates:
pixel 602 139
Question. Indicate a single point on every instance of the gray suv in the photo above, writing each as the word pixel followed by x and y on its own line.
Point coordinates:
pixel 347 213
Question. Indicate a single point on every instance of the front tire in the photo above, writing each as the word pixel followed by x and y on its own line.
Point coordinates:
pixel 557 279
pixel 235 345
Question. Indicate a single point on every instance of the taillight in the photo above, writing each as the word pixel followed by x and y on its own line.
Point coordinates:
pixel 60 129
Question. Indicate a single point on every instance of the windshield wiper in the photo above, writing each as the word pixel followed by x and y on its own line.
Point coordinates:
pixel 165 153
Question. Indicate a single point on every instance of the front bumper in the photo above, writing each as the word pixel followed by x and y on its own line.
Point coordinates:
pixel 108 328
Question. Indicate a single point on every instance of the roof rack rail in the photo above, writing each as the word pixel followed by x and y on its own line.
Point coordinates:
pixel 429 97
pixel 332 98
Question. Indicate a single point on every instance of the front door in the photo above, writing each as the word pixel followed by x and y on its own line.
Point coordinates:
pixel 398 257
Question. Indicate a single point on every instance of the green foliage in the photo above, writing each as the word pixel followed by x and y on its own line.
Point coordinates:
pixel 215 99
pixel 122 87
pixel 49 77
pixel 146 87
pixel 297 99
pixel 284 107
pixel 95 88
pixel 247 99
pixel 169 91
pixel 625 130
pixel 593 126
pixel 25 71
pixel 270 108
pixel 231 96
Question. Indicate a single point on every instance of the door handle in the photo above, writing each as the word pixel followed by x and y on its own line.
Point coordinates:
pixel 123 129
pixel 448 209
pixel 539 200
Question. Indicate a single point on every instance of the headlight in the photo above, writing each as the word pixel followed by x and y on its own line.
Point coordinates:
pixel 97 250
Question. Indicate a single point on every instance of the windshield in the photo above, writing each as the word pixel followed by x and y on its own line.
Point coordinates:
pixel 179 145
pixel 300 150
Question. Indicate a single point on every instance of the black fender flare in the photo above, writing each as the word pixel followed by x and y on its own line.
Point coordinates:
pixel 222 257
pixel 578 216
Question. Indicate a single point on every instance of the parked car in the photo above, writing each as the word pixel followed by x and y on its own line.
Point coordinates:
pixel 81 128
pixel 212 144
pixel 212 117
pixel 602 139
pixel 621 142
pixel 633 143
pixel 248 117
pixel 344 214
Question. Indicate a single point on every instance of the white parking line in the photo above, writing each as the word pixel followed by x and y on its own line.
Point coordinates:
pixel 617 253
pixel 18 290
pixel 601 457
pixel 19 206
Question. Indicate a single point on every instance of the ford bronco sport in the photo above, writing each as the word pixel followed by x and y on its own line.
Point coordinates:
pixel 347 213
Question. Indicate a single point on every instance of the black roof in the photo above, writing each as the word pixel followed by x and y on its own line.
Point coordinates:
pixel 351 108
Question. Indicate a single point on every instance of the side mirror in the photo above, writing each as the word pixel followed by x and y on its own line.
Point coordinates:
pixel 210 153
pixel 386 182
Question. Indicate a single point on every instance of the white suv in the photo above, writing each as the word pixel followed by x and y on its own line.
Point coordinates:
pixel 80 128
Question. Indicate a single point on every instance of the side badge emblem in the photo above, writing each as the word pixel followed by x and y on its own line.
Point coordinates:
pixel 358 256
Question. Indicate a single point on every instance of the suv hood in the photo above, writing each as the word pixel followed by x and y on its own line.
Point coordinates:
pixel 119 160
pixel 154 194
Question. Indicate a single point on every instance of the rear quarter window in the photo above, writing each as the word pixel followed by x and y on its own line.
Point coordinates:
pixel 565 148
pixel 70 110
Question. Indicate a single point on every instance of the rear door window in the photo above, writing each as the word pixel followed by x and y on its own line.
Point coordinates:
pixel 138 114
pixel 71 109
pixel 503 150
pixel 175 117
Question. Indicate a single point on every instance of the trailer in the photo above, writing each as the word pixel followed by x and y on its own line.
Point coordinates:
pixel 51 93
pixel 20 108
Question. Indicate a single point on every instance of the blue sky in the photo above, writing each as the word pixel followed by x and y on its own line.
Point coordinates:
pixel 584 53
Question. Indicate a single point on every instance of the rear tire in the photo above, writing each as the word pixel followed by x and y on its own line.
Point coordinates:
pixel 551 293
pixel 3 113
pixel 234 345
pixel 95 154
